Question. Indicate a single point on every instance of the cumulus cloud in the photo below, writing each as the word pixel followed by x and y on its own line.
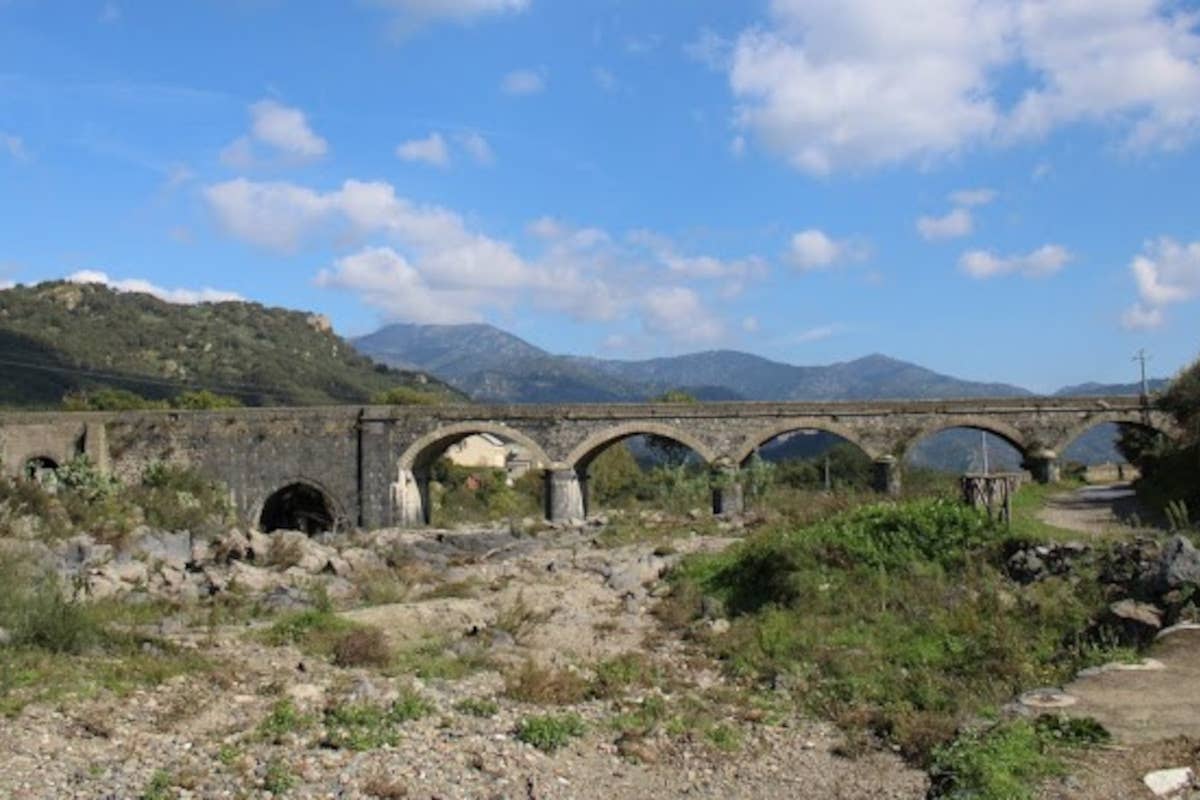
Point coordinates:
pixel 850 84
pixel 955 224
pixel 1166 273
pixel 421 262
pixel 678 313
pixel 413 14
pixel 431 150
pixel 604 79
pixel 523 82
pixel 817 334
pixel 283 129
pixel 6 284
pixel 1043 262
pixel 13 145
pixel 813 249
pixel 179 296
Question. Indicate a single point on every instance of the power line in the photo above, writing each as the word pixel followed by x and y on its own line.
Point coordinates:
pixel 245 390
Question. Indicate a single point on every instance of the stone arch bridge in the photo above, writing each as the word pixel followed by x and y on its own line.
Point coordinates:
pixel 370 465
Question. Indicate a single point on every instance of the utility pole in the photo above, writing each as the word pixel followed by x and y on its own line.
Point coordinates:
pixel 1142 358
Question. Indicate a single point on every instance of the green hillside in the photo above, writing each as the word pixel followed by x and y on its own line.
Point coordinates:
pixel 64 338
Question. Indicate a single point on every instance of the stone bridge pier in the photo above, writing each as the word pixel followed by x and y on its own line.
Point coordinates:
pixel 371 467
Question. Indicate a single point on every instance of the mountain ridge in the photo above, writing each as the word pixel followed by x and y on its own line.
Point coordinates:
pixel 490 364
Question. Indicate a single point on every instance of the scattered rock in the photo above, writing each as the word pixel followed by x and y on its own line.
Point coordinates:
pixel 173 549
pixel 1134 621
pixel 1168 782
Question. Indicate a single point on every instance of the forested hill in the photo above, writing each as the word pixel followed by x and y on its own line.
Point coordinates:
pixel 65 338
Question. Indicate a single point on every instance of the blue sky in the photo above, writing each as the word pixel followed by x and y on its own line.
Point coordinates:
pixel 997 189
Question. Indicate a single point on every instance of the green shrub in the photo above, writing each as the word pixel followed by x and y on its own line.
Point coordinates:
pixel 283 719
pixel 477 707
pixel 406 396
pixel 550 732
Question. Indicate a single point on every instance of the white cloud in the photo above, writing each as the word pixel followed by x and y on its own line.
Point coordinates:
pixel 953 225
pixel 711 49
pixel 179 296
pixel 477 147
pixel 851 84
pixel 13 145
pixel 969 198
pixel 1043 262
pixel 604 79
pixel 110 13
pixel 6 284
pixel 1166 273
pixel 387 281
pixel 750 324
pixel 817 334
pixel 523 82
pixel 431 150
pixel 678 313
pixel 738 146
pixel 412 14
pixel 641 45
pixel 282 128
pixel 665 252
pixel 813 249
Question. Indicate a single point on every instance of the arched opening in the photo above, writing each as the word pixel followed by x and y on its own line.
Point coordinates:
pixel 634 468
pixel 1102 453
pixel 470 474
pixel 298 507
pixel 40 469
pixel 936 460
pixel 795 463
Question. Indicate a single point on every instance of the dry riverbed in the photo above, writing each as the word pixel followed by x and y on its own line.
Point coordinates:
pixel 498 643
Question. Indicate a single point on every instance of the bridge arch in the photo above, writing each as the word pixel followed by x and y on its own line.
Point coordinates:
pixel 993 426
pixel 302 504
pixel 764 436
pixel 589 448
pixel 421 454
pixel 1122 418
pixel 35 467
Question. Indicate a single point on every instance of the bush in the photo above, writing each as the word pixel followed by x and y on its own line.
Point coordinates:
pixel 38 615
pixel 406 396
pixel 550 732
pixel 362 647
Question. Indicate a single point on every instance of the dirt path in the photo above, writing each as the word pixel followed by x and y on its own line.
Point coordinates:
pixel 1094 510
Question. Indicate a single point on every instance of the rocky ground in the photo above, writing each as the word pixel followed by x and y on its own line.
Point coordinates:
pixel 475 606
pixel 486 630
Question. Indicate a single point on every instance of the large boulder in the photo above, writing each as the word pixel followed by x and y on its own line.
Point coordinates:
pixel 172 549
pixel 1134 621
pixel 1178 565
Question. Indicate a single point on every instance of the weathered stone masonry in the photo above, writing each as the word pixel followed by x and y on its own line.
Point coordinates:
pixel 372 464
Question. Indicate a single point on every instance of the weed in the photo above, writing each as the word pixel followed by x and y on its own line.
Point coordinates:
pixel 724 737
pixel 366 727
pixel 431 660
pixel 228 755
pixel 278 778
pixel 477 707
pixel 284 719
pixel 158 787
pixel 614 676
pixel 532 683
pixel 550 732
pixel 518 619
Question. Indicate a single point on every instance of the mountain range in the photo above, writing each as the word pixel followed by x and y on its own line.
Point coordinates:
pixel 491 365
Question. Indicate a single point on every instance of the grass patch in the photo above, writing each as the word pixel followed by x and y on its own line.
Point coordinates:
pixel 893 620
pixel 550 732
pixel 361 727
pixel 63 647
pixel 477 707
pixel 283 721
pixel 431 660
pixel 616 675
pixel 278 778
pixel 1006 761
